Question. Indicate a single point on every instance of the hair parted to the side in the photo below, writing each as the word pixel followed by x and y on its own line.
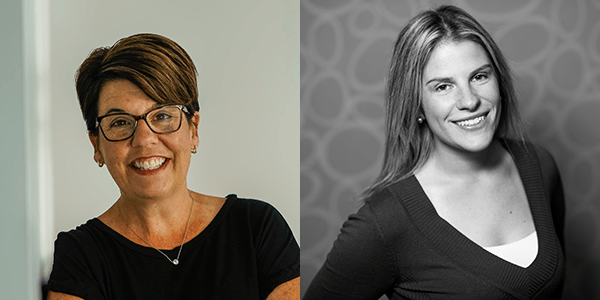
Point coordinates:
pixel 408 144
pixel 154 63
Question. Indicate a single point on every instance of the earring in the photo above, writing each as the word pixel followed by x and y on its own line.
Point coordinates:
pixel 100 164
pixel 420 120
pixel 194 151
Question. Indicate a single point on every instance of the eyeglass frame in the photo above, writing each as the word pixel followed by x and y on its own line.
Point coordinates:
pixel 182 109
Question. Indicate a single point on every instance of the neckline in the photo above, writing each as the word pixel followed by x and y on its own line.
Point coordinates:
pixel 188 246
pixel 521 253
pixel 468 254
pixel 522 240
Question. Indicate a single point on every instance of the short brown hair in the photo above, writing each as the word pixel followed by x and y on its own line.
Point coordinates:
pixel 154 63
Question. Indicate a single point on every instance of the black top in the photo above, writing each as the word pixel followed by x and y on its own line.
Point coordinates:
pixel 398 245
pixel 244 253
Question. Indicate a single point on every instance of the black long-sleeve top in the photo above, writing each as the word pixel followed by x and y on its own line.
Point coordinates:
pixel 397 245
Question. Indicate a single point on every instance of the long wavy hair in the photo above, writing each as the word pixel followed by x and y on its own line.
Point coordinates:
pixel 408 144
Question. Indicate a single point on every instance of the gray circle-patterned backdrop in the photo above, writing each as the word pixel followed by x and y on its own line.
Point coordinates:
pixel 554 49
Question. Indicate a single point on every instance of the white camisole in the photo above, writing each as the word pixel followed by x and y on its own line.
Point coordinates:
pixel 521 253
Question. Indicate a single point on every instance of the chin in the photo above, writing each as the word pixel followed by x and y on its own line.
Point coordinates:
pixel 156 190
pixel 149 194
pixel 478 144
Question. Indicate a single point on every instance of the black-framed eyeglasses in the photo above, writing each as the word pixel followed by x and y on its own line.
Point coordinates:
pixel 121 126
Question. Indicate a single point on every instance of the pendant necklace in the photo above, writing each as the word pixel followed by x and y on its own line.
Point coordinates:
pixel 173 261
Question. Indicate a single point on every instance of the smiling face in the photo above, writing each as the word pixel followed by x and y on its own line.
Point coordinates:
pixel 461 99
pixel 147 165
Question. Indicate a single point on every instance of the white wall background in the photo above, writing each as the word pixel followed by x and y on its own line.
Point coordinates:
pixel 247 55
pixel 25 181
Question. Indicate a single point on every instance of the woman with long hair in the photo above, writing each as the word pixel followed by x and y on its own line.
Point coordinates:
pixel 464 207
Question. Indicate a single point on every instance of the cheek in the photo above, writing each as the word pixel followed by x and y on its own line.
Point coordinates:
pixel 492 92
pixel 436 109
pixel 180 144
pixel 112 152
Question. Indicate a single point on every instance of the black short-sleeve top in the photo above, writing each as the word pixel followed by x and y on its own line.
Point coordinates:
pixel 244 253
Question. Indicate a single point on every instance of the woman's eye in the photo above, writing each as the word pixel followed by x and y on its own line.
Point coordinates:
pixel 162 117
pixel 442 87
pixel 480 77
pixel 120 123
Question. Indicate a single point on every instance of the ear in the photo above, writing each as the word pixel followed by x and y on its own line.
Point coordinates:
pixel 97 154
pixel 194 129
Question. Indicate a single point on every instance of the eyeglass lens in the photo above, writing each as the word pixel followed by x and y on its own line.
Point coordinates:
pixel 161 120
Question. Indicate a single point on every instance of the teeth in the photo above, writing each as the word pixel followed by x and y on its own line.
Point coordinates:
pixel 471 122
pixel 149 164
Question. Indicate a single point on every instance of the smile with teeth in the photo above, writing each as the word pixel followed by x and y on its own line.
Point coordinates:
pixel 149 164
pixel 471 122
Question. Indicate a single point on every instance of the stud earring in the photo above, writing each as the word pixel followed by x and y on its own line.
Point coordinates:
pixel 100 164
pixel 194 151
pixel 420 120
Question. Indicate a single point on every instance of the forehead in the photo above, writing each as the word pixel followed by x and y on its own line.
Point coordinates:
pixel 450 59
pixel 123 95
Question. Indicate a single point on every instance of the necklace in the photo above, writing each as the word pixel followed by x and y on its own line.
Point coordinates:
pixel 173 261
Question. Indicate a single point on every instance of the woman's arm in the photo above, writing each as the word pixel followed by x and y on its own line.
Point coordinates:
pixel 289 290
pixel 359 266
pixel 60 296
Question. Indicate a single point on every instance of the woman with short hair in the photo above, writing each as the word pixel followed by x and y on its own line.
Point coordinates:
pixel 161 240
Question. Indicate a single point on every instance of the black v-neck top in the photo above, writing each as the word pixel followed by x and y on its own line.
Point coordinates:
pixel 244 253
pixel 398 245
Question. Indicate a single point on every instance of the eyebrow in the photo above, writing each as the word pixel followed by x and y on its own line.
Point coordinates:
pixel 120 110
pixel 115 110
pixel 450 79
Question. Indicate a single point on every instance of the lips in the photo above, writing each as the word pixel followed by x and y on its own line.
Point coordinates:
pixel 148 164
pixel 471 122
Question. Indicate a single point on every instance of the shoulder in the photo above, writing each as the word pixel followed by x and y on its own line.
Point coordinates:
pixel 84 244
pixel 546 159
pixel 389 201
pixel 77 260
pixel 83 234
pixel 265 229
pixel 537 167
pixel 361 256
pixel 528 153
pixel 528 148
pixel 248 203
pixel 251 209
pixel 256 215
pixel 378 203
pixel 381 217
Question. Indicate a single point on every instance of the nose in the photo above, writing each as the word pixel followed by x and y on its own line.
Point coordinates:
pixel 468 100
pixel 143 134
